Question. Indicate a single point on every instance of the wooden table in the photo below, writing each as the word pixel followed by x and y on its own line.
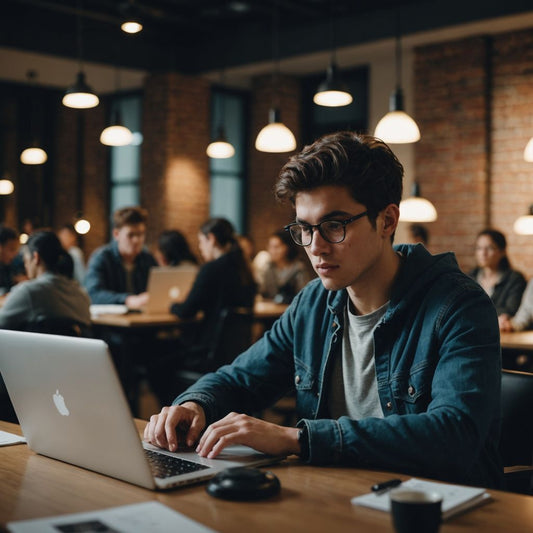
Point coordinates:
pixel 264 310
pixel 312 499
pixel 517 340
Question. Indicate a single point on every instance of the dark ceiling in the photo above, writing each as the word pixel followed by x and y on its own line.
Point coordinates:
pixel 202 35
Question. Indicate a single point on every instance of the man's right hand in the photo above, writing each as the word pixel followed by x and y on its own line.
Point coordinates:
pixel 176 424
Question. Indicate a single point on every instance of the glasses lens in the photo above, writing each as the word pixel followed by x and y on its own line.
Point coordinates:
pixel 332 230
pixel 300 234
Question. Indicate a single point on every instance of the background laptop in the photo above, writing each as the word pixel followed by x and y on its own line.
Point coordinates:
pixel 71 407
pixel 167 285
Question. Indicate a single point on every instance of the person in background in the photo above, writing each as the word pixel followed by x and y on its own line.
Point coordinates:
pixel 504 285
pixel 173 249
pixel 117 273
pixel 9 246
pixel 68 237
pixel 50 292
pixel 224 280
pixel 523 319
pixel 418 233
pixel 285 274
pixel 393 352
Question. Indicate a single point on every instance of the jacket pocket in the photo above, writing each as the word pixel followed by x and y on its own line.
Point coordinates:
pixel 411 392
pixel 306 396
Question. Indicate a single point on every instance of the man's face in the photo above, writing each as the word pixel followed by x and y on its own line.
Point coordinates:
pixel 130 239
pixel 353 262
pixel 8 251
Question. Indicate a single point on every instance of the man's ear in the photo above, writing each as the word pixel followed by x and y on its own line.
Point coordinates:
pixel 391 216
pixel 115 233
pixel 37 257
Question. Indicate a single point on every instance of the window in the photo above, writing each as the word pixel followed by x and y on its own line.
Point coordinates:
pixel 125 161
pixel 227 176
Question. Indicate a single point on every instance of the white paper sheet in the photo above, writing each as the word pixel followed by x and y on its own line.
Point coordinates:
pixel 7 439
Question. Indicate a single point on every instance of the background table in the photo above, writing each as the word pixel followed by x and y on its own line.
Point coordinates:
pixel 312 499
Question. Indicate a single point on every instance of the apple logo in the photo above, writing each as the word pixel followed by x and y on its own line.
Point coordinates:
pixel 59 402
pixel 174 293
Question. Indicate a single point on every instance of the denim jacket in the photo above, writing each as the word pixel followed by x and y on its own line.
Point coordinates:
pixel 437 359
pixel 105 280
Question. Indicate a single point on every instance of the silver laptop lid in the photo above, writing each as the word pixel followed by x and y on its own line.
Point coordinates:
pixel 71 406
pixel 167 285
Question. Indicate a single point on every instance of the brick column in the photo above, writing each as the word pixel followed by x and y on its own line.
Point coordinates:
pixel 175 168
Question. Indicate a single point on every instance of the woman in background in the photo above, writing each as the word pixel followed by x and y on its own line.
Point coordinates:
pixel 173 249
pixel 50 292
pixel 285 275
pixel 224 280
pixel 504 285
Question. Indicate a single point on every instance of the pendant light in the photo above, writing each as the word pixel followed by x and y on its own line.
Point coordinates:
pixel 524 225
pixel 416 208
pixel 6 186
pixel 131 19
pixel 397 127
pixel 528 151
pixel 80 95
pixel 116 134
pixel 220 148
pixel 332 92
pixel 82 225
pixel 33 154
pixel 275 137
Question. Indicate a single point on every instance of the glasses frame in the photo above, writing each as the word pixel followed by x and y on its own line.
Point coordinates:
pixel 319 228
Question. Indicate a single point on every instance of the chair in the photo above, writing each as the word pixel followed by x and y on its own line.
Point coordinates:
pixel 516 441
pixel 232 335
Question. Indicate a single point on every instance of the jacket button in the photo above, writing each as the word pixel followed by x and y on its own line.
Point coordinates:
pixel 411 390
pixel 297 379
pixel 389 406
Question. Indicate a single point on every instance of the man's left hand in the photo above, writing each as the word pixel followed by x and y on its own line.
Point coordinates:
pixel 242 429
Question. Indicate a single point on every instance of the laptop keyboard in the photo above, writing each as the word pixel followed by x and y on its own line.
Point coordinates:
pixel 164 466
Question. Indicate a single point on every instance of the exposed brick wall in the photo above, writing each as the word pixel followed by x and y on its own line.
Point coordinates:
pixel 175 167
pixel 265 214
pixel 512 119
pixel 473 105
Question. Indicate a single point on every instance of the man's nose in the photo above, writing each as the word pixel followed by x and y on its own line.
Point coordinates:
pixel 318 243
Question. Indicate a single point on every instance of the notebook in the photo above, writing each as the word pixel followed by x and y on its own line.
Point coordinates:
pixel 71 407
pixel 168 285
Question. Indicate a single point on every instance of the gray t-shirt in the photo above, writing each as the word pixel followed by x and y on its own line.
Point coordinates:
pixel 354 390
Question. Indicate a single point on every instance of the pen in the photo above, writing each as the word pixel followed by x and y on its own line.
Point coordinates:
pixel 386 485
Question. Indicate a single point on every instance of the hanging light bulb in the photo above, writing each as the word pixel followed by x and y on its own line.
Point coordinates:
pixel 82 226
pixel 33 156
pixel 23 238
pixel 416 208
pixel 132 22
pixel 275 137
pixel 528 151
pixel 220 148
pixel 6 186
pixel 117 134
pixel 80 95
pixel 397 127
pixel 332 92
pixel 524 225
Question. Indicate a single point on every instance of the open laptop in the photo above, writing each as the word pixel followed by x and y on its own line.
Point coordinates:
pixel 71 407
pixel 168 285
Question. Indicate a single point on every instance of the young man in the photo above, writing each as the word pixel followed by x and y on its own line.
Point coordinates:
pixel 394 353
pixel 118 272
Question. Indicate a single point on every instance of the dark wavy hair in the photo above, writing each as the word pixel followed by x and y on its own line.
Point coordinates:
pixel 174 247
pixel 499 240
pixel 224 233
pixel 56 259
pixel 363 164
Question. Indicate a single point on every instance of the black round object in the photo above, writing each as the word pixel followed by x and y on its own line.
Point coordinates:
pixel 241 483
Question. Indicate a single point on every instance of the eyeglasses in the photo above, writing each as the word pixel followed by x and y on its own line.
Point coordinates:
pixel 333 231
